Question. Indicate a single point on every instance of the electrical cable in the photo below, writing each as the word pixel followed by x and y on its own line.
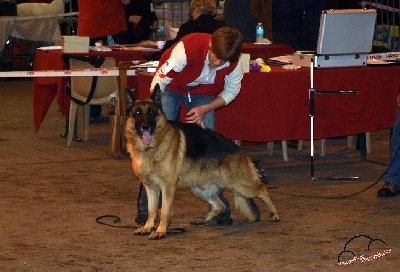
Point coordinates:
pixel 352 194
pixel 117 220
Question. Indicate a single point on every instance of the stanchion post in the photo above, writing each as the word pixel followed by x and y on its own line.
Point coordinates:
pixel 312 93
pixel 118 123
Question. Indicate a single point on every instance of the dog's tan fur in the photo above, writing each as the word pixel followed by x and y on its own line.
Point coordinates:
pixel 163 165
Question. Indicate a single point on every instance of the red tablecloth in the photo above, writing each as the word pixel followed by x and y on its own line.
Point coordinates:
pixel 268 51
pixel 272 106
pixel 46 88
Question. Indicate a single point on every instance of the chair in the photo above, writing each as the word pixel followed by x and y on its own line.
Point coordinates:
pixel 87 90
pixel 322 146
pixel 270 150
pixel 322 143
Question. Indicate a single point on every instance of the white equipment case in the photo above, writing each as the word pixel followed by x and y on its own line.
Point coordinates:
pixel 345 38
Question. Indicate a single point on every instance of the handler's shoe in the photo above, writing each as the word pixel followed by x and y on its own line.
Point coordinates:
pixel 141 219
pixel 388 190
pixel 224 220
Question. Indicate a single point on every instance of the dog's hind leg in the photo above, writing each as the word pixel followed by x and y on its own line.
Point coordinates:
pixel 246 189
pixel 264 196
pixel 211 195
pixel 247 207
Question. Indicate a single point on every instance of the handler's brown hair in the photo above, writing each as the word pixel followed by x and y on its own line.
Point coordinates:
pixel 226 43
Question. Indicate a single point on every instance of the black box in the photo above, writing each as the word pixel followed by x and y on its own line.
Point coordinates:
pixel 8 8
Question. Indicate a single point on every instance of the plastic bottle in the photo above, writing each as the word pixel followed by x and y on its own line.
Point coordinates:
pixel 259 33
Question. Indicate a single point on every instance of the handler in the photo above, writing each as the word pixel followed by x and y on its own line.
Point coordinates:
pixel 391 186
pixel 204 72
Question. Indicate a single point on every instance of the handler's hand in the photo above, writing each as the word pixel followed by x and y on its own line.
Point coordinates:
pixel 135 19
pixel 196 115
pixel 125 2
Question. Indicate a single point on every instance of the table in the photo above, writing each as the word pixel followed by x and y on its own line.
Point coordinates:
pixel 272 106
pixel 45 89
pixel 266 51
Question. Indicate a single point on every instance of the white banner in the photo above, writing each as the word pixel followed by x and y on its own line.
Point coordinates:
pixel 111 71
pixel 385 56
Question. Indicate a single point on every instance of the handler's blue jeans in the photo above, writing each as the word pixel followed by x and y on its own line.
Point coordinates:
pixel 393 172
pixel 171 102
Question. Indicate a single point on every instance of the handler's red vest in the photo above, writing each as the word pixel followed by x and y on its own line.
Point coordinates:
pixel 196 48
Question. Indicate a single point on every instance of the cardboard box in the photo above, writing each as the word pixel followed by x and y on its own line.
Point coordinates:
pixel 245 59
pixel 303 59
pixel 75 44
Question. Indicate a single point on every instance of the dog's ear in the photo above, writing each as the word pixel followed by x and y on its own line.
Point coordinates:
pixel 156 96
pixel 129 100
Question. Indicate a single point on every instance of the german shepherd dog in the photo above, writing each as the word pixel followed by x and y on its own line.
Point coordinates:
pixel 166 155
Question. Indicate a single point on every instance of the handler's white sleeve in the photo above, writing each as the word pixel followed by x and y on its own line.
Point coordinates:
pixel 233 84
pixel 178 61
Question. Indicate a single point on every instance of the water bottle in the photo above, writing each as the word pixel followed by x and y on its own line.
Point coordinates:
pixel 259 33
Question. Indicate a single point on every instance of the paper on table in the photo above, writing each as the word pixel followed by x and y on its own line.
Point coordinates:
pixel 379 62
pixel 281 60
pixel 142 48
pixel 264 42
pixel 102 48
pixel 53 47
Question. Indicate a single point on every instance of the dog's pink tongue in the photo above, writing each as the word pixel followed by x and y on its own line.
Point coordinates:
pixel 146 138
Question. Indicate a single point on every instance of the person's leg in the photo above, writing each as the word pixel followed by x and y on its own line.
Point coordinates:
pixel 209 122
pixel 392 176
pixel 393 173
pixel 95 111
pixel 170 103
pixel 141 217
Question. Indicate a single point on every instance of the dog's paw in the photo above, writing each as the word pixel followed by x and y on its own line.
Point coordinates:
pixel 274 217
pixel 141 231
pixel 156 235
pixel 200 221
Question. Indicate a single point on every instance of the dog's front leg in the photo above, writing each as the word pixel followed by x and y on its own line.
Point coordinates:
pixel 153 194
pixel 168 195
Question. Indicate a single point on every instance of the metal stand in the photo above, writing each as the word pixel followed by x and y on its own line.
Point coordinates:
pixel 311 98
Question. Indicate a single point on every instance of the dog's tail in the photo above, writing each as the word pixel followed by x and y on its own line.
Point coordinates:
pixel 247 208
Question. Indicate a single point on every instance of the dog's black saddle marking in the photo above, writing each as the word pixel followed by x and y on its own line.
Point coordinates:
pixel 205 143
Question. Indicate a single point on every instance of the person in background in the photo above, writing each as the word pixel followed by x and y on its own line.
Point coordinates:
pixel 141 22
pixel 287 20
pixel 262 9
pixel 237 13
pixel 98 20
pixel 203 20
pixel 308 37
pixel 392 176
pixel 204 72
